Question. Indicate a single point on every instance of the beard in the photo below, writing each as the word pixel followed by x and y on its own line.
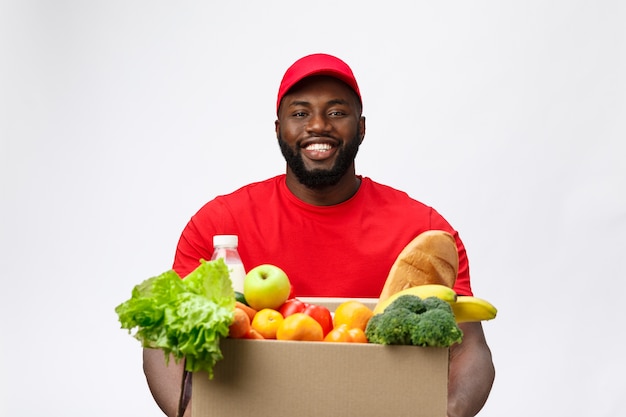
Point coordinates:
pixel 320 178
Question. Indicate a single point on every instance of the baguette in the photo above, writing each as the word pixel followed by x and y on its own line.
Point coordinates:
pixel 430 258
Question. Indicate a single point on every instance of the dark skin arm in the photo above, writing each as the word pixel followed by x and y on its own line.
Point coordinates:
pixel 471 372
pixel 164 381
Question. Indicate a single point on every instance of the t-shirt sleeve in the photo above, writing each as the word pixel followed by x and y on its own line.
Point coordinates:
pixel 195 242
pixel 462 286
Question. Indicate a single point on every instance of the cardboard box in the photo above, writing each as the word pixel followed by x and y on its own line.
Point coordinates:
pixel 270 378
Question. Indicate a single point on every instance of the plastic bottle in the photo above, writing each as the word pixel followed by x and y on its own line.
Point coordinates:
pixel 225 247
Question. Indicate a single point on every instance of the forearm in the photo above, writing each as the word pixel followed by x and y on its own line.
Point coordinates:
pixel 164 381
pixel 471 373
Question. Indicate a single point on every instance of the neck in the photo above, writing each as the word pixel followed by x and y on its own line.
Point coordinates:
pixel 347 186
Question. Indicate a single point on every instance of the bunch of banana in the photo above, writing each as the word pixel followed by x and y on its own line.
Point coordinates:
pixel 466 308
pixel 422 291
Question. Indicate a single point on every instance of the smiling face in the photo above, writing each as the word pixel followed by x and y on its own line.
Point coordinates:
pixel 319 130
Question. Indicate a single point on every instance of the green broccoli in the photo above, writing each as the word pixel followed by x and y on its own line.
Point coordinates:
pixel 436 328
pixel 392 327
pixel 433 303
pixel 410 302
pixel 399 324
pixel 371 329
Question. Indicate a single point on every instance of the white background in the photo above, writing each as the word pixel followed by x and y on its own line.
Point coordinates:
pixel 120 119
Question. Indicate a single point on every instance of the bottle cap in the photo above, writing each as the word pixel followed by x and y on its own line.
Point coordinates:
pixel 225 240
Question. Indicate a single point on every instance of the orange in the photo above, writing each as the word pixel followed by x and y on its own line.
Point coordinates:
pixel 338 334
pixel 266 322
pixel 357 335
pixel 300 326
pixel 352 313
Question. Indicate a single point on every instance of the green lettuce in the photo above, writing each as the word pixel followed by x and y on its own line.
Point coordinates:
pixel 186 318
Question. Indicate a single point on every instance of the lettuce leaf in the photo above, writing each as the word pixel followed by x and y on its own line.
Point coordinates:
pixel 186 318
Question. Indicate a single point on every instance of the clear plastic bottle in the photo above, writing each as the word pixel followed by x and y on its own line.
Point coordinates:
pixel 225 247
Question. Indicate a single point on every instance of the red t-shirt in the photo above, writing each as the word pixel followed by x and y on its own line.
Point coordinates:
pixel 345 250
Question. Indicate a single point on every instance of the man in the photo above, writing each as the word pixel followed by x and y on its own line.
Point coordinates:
pixel 335 233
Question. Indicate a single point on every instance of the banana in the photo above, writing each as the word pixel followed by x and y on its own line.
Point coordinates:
pixel 468 308
pixel 422 291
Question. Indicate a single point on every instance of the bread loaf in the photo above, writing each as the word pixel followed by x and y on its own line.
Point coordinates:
pixel 431 258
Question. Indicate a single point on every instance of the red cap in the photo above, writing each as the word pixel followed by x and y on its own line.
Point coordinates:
pixel 316 64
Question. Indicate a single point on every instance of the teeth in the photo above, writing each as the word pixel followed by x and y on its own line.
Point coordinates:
pixel 318 147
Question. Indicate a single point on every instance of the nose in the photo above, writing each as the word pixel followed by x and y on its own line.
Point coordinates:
pixel 318 123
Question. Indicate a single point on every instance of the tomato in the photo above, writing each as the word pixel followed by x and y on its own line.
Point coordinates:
pixel 291 306
pixel 322 315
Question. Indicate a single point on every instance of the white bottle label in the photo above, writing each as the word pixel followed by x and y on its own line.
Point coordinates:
pixel 237 275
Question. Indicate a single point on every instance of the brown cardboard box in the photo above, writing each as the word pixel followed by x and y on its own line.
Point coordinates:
pixel 270 378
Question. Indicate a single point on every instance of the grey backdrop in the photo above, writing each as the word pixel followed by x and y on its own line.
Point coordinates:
pixel 121 118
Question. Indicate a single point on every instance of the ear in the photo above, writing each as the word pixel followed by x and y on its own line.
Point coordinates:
pixel 277 127
pixel 362 128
